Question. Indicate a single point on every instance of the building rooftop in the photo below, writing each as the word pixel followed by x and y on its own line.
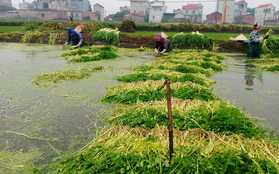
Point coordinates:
pixel 174 10
pixel 238 2
pixel 126 7
pixel 263 6
pixel 191 6
pixel 98 5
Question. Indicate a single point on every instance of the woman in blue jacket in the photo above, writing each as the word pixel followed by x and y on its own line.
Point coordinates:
pixel 76 38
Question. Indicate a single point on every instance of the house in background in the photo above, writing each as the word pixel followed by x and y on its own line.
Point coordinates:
pixel 177 10
pixel 264 12
pixel 97 8
pixel 58 5
pixel 226 8
pixel 138 6
pixel 211 18
pixel 156 11
pixel 240 9
pixel 245 19
pixel 25 6
pixel 80 5
pixel 6 2
pixel 191 13
pixel 136 17
pixel 274 21
pixel 125 8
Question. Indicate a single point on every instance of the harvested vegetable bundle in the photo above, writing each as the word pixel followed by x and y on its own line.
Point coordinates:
pixel 216 116
pixel 173 76
pixel 194 39
pixel 265 49
pixel 273 45
pixel 134 150
pixel 148 91
pixel 107 35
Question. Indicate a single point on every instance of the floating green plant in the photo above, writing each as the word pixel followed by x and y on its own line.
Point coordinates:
pixel 48 79
pixel 133 150
pixel 86 50
pixel 148 91
pixel 267 63
pixel 165 74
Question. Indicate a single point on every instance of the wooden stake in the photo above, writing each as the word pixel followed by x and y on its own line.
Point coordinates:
pixel 167 82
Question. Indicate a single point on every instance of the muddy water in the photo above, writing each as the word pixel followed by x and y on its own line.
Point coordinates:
pixel 38 124
pixel 251 89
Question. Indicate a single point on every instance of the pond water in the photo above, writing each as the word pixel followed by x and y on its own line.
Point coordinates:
pixel 38 124
pixel 255 91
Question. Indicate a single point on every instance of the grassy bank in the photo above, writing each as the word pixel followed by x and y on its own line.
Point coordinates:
pixel 9 29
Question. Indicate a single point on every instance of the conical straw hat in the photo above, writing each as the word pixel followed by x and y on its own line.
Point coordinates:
pixel 164 35
pixel 79 28
pixel 241 38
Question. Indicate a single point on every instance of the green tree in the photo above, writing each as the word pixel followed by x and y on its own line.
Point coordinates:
pixel 6 8
pixel 165 19
pixel 121 14
pixel 251 11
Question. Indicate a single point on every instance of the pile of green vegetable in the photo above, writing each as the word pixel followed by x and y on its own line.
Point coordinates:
pixel 93 53
pixel 148 91
pixel 176 67
pixel 107 35
pixel 173 76
pixel 273 45
pixel 194 39
pixel 125 150
pixel 216 116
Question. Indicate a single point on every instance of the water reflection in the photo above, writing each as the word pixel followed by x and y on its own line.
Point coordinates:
pixel 250 74
pixel 250 88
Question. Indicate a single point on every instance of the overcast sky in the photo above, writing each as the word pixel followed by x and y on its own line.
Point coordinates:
pixel 112 6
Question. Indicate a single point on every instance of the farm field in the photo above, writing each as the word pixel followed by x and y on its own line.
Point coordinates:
pixel 85 110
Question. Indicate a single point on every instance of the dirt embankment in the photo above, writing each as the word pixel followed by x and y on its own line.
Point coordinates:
pixel 126 40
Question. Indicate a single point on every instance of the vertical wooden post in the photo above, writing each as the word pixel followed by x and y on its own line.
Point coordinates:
pixel 170 119
pixel 167 82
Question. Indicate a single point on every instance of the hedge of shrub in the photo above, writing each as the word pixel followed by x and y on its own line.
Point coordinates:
pixel 187 27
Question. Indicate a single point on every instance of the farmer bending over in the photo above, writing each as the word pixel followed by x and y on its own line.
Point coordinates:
pixel 253 48
pixel 162 44
pixel 75 36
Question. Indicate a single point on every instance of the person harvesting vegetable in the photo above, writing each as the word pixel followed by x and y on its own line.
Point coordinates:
pixel 162 44
pixel 253 48
pixel 75 36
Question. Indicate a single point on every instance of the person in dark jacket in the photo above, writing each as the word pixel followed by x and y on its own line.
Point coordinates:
pixel 254 46
pixel 76 38
pixel 162 44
